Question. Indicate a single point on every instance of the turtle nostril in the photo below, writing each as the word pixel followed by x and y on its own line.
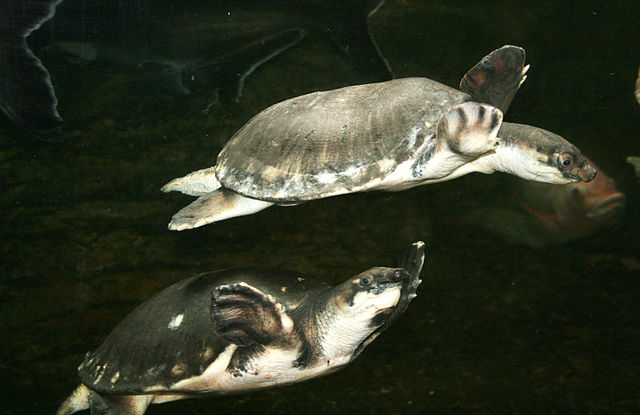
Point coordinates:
pixel 589 174
pixel 400 274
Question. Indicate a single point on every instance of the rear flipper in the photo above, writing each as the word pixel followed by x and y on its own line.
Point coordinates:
pixel 84 398
pixel 119 404
pixel 198 183
pixel 77 401
pixel 27 96
pixel 214 207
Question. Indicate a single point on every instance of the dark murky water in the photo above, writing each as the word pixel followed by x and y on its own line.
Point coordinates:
pixel 496 328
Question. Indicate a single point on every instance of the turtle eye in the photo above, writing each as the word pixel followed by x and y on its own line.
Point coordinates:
pixel 565 159
pixel 365 280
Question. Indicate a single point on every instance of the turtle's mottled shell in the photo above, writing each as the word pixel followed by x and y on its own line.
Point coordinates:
pixel 333 142
pixel 171 336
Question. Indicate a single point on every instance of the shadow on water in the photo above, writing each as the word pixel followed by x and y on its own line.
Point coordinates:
pixel 496 327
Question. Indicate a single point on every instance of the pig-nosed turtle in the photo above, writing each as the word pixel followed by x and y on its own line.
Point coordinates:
pixel 240 330
pixel 391 136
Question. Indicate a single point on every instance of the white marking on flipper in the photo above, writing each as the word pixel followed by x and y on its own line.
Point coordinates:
pixel 115 377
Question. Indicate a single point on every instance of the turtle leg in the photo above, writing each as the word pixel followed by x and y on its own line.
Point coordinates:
pixel 119 404
pixel 77 401
pixel 197 183
pixel 214 207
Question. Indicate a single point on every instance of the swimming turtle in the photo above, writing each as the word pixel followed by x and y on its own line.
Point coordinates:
pixel 390 136
pixel 240 330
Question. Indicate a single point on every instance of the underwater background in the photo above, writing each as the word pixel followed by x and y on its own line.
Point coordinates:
pixel 498 327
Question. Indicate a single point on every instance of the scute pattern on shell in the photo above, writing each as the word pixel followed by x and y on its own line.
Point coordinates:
pixel 333 142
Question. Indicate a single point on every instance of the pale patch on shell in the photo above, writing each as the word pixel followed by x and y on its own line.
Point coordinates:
pixel 85 363
pixel 413 136
pixel 207 354
pixel 176 321
pixel 327 177
pixel 178 369
pixel 101 370
pixel 115 377
pixel 268 173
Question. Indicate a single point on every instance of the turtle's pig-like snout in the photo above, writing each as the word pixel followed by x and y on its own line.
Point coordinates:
pixel 398 275
pixel 587 172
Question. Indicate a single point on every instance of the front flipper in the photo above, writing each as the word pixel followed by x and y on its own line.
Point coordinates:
pixel 411 259
pixel 245 315
pixel 214 207
pixel 470 129
pixel 497 77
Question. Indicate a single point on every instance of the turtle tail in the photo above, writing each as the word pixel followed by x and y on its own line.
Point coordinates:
pixel 77 401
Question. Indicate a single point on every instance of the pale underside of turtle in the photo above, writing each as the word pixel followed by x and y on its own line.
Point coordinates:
pixel 386 136
pixel 240 330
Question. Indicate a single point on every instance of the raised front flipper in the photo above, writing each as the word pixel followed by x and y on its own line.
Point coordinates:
pixel 411 259
pixel 497 77
pixel 470 129
pixel 245 315
pixel 213 207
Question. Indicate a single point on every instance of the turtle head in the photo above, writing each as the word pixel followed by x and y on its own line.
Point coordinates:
pixel 539 155
pixel 368 298
pixel 371 293
pixel 357 308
